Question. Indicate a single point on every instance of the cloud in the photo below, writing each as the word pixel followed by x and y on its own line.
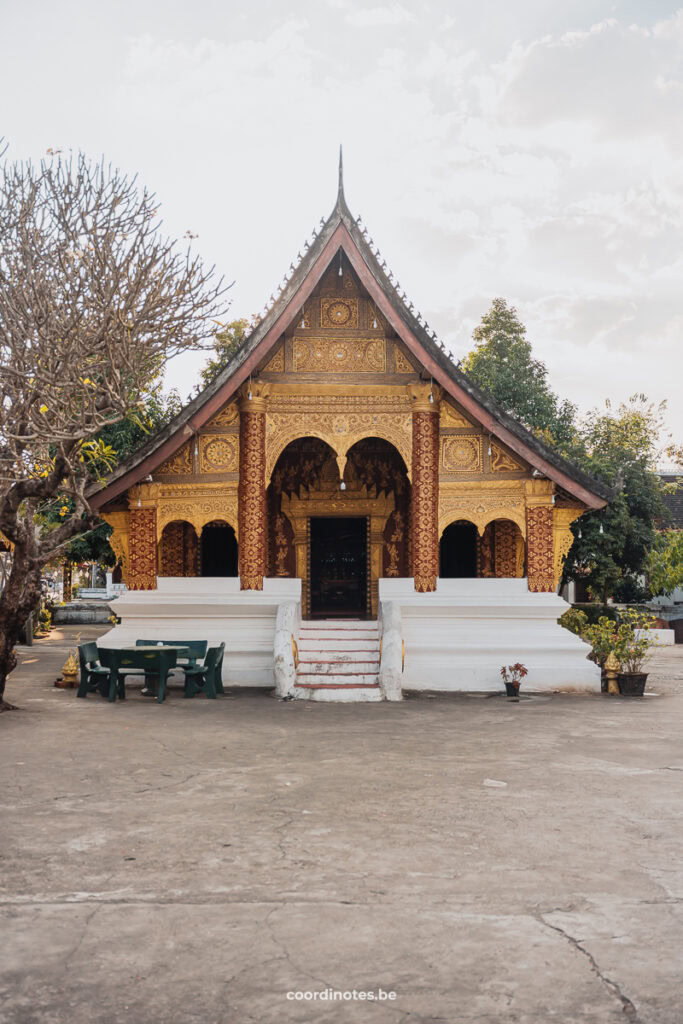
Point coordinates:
pixel 532 151
pixel 376 17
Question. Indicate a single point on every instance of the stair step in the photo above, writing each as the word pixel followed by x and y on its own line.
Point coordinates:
pixel 338 645
pixel 338 660
pixel 339 624
pixel 322 667
pixel 338 686
pixel 336 678
pixel 339 694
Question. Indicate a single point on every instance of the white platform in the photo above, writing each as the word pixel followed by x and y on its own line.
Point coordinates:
pixel 456 638
pixel 459 636
pixel 202 608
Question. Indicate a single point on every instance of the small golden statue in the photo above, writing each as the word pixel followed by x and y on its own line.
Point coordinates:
pixel 611 669
pixel 70 672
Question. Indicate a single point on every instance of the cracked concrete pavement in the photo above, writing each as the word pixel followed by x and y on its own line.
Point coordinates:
pixel 197 861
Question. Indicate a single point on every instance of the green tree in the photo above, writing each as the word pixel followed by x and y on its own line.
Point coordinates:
pixel 228 340
pixel 621 448
pixel 503 364
pixel 611 546
pixel 664 563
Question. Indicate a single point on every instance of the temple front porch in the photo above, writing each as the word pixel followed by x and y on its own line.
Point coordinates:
pixel 455 638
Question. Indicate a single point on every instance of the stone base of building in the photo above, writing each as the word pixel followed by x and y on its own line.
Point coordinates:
pixel 202 608
pixel 457 637
pixel 453 639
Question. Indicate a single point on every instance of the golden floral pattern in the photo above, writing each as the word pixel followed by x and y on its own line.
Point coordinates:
pixel 461 454
pixel 178 550
pixel 339 312
pixel 425 503
pixel 505 547
pixel 219 453
pixel 142 554
pixel 339 355
pixel 252 500
pixel 540 561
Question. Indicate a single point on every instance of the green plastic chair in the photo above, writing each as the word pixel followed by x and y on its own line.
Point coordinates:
pixel 206 678
pixel 94 676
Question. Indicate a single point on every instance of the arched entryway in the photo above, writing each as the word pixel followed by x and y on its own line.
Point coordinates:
pixel 458 551
pixel 178 550
pixel 499 551
pixel 339 535
pixel 218 550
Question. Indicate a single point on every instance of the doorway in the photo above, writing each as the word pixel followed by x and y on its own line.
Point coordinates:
pixel 218 550
pixel 458 551
pixel 339 567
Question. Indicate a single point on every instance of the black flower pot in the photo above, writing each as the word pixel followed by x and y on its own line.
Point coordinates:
pixel 632 684
pixel 511 690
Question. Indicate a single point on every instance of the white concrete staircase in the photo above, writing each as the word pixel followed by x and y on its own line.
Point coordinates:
pixel 338 661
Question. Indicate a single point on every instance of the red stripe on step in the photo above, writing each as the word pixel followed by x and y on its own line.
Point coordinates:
pixel 338 686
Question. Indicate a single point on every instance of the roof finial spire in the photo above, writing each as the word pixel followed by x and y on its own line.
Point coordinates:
pixel 340 190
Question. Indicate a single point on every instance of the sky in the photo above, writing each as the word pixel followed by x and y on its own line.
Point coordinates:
pixel 518 148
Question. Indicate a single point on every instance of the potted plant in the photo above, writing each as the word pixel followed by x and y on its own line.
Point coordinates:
pixel 602 638
pixel 512 677
pixel 632 647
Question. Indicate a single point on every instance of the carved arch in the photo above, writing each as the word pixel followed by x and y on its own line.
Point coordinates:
pixel 198 513
pixel 340 443
pixel 480 514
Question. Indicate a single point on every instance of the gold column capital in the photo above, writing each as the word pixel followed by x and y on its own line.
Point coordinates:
pixel 253 395
pixel 539 491
pixel 424 396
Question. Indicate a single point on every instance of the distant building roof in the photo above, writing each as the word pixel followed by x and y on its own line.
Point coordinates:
pixel 674 502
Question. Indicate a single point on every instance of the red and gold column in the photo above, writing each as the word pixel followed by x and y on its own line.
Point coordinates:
pixel 142 549
pixel 539 536
pixel 425 493
pixel 252 486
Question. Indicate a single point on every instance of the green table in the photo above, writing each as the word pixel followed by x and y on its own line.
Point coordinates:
pixel 155 661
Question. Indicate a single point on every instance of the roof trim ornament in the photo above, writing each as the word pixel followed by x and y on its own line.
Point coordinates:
pixel 340 187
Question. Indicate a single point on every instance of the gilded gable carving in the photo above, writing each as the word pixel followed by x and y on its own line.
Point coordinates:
pixel 219 453
pixel 401 363
pixel 277 363
pixel 339 355
pixel 179 464
pixel 502 462
pixel 461 454
pixel 226 416
pixel 339 312
pixel 450 417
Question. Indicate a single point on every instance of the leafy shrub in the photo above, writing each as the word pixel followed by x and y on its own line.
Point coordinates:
pixel 575 620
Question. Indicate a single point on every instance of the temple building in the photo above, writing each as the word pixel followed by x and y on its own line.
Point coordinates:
pixel 344 508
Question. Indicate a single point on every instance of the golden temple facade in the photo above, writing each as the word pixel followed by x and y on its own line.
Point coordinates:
pixel 341 446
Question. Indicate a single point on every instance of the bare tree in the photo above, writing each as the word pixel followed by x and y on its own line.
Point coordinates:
pixel 93 301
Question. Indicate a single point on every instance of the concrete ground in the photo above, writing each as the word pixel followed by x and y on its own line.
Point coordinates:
pixel 485 861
